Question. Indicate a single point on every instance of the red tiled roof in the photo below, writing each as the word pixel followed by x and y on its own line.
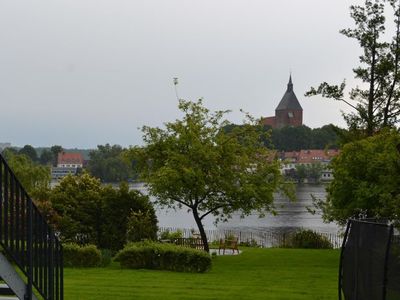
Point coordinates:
pixel 312 156
pixel 70 158
pixel 309 156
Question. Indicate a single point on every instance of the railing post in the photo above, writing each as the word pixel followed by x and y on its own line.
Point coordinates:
pixel 51 265
pixel 28 295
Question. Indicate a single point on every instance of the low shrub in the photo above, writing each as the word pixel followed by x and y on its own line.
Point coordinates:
pixel 171 235
pixel 106 257
pixel 151 255
pixel 81 256
pixel 250 243
pixel 308 239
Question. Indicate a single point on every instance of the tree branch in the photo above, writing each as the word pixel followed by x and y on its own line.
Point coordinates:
pixel 211 211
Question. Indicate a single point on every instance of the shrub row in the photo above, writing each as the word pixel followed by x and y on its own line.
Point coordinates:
pixel 152 255
pixel 81 256
pixel 307 239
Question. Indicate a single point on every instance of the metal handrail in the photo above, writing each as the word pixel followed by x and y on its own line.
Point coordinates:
pixel 28 240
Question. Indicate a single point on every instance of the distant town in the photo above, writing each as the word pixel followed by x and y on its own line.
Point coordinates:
pixel 304 153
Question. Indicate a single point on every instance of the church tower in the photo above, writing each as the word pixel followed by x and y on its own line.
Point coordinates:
pixel 289 111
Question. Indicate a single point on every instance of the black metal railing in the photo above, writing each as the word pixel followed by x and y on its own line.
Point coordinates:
pixel 261 238
pixel 28 240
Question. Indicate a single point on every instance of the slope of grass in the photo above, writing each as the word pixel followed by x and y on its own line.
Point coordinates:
pixel 255 274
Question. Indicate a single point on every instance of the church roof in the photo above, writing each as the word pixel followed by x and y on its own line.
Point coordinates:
pixel 289 100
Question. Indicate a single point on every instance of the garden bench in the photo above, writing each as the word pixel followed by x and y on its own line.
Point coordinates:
pixel 228 244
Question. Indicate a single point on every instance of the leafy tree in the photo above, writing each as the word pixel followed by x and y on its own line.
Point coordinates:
pixel 46 157
pixel 378 105
pixel 119 207
pixel 301 172
pixel 326 137
pixel 141 226
pixel 92 213
pixel 303 137
pixel 55 150
pixel 108 164
pixel 366 180
pixel 29 151
pixel 195 163
pixel 77 200
pixel 33 177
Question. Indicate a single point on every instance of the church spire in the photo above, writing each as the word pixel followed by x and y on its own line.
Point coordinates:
pixel 290 84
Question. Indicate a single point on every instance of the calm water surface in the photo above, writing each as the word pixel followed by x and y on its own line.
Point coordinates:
pixel 291 215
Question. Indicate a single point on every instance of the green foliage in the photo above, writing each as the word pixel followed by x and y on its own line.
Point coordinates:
pixel 30 152
pixel 150 255
pixel 96 214
pixel 366 180
pixel 307 239
pixel 171 235
pixel 311 172
pixel 196 163
pixel 78 200
pixel 302 137
pixel 106 257
pixel 33 177
pixel 55 150
pixel 119 204
pixel 81 256
pixel 250 243
pixel 377 105
pixel 46 157
pixel 108 164
pixel 141 226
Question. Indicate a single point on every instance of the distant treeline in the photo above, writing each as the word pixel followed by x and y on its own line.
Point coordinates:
pixel 303 137
pixel 107 162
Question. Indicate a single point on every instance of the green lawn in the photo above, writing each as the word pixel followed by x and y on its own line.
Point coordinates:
pixel 254 274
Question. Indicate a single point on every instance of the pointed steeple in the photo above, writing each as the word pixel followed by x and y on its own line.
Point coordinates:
pixel 289 99
pixel 290 84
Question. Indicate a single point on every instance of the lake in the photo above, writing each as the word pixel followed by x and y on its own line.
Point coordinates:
pixel 291 215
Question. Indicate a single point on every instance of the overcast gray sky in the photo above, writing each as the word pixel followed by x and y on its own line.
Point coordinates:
pixel 85 72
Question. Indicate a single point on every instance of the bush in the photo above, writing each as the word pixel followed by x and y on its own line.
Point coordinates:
pixel 81 256
pixel 151 255
pixel 141 226
pixel 171 235
pixel 106 257
pixel 250 243
pixel 308 239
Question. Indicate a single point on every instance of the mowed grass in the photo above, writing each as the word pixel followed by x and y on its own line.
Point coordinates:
pixel 254 274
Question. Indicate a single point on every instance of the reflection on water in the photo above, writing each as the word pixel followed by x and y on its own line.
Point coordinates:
pixel 291 215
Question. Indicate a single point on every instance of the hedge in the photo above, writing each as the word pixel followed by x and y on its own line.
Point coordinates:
pixel 152 255
pixel 308 239
pixel 81 256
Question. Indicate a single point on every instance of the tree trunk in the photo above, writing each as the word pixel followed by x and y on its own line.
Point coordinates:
pixel 371 98
pixel 201 230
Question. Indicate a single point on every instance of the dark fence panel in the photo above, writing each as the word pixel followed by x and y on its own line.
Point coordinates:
pixel 265 239
pixel 27 238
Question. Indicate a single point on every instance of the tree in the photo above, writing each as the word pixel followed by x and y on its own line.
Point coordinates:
pixel 120 205
pixel 55 150
pixel 88 212
pixel 33 177
pixel 195 163
pixel 108 164
pixel 78 202
pixel 46 157
pixel 378 105
pixel 30 152
pixel 366 180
